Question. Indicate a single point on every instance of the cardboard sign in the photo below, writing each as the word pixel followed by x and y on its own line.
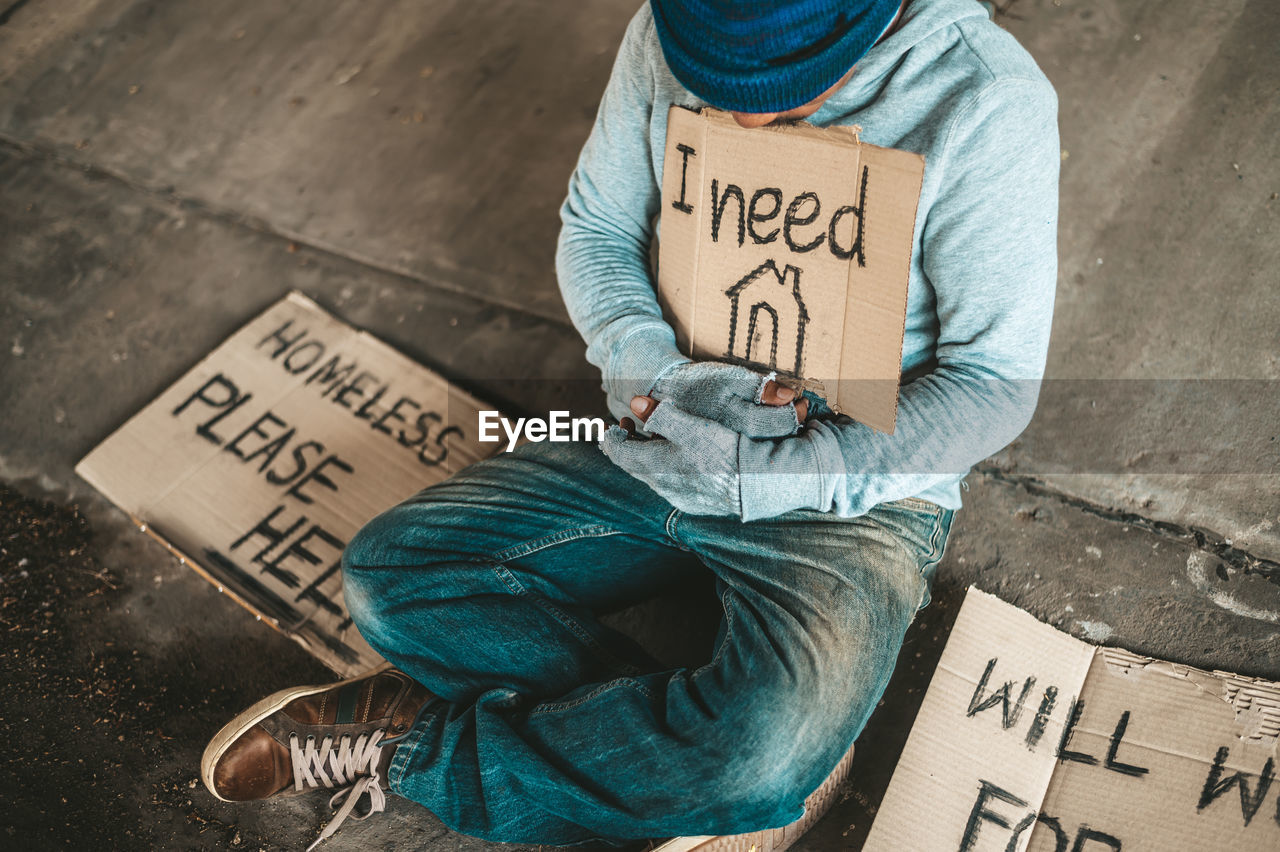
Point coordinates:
pixel 259 464
pixel 789 248
pixel 1029 739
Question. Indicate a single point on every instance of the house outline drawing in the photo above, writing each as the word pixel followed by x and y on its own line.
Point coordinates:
pixel 763 294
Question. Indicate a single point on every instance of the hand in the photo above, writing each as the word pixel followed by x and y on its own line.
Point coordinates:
pixel 737 398
pixel 704 468
pixel 690 461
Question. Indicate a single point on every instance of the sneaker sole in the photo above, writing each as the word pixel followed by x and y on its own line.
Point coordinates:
pixel 232 731
pixel 771 839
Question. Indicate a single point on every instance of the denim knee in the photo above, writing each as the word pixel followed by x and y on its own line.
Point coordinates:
pixel 369 564
pixel 362 600
pixel 757 785
pixel 761 764
pixel 781 733
pixel 379 542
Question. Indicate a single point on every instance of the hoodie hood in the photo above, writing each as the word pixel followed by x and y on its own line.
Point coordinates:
pixel 921 21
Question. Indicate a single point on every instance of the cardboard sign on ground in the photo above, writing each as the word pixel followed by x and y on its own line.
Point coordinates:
pixel 1029 739
pixel 259 464
pixel 789 248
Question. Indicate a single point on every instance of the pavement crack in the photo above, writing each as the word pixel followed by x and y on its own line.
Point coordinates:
pixel 236 219
pixel 9 12
pixel 1204 540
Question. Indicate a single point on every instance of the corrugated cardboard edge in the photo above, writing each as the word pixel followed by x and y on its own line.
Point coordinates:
pixel 224 589
pixel 844 134
pixel 194 565
pixel 1255 701
pixel 303 301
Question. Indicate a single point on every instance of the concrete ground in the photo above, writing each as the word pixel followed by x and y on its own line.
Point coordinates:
pixel 168 169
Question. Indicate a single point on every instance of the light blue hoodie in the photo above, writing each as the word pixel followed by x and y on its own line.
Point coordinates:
pixel 948 84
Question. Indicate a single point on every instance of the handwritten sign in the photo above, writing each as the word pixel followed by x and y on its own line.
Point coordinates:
pixel 789 249
pixel 259 464
pixel 1029 739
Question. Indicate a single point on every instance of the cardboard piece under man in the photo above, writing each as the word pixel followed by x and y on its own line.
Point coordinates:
pixel 511 711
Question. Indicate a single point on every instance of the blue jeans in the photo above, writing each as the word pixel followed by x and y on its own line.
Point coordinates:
pixel 553 728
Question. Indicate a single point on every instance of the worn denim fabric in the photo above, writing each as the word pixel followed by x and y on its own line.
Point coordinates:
pixel 553 728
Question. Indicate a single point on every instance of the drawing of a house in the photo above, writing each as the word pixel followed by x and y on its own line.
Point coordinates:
pixel 767 319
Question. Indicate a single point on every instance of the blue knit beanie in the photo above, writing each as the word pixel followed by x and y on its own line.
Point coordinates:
pixel 766 55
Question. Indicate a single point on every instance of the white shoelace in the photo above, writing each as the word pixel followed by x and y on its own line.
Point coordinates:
pixel 353 763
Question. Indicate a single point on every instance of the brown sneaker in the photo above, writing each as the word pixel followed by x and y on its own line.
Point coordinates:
pixel 771 839
pixel 339 735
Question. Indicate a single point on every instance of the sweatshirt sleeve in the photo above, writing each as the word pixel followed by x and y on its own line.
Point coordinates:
pixel 989 248
pixel 602 258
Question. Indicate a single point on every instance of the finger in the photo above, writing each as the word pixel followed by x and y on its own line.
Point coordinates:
pixel 763 421
pixel 709 379
pixel 694 434
pixel 729 394
pixel 802 410
pixel 817 405
pixel 645 460
pixel 643 406
pixel 634 433
pixel 776 394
